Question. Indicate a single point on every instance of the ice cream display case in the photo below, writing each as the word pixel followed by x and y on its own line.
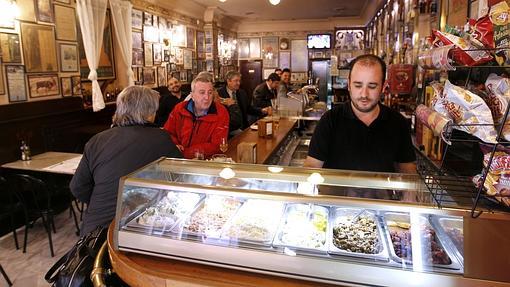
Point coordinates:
pixel 274 220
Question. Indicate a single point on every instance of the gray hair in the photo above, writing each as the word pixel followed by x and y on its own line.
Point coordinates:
pixel 135 104
pixel 202 77
pixel 231 74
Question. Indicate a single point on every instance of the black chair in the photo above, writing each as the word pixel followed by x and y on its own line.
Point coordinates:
pixel 5 275
pixel 9 207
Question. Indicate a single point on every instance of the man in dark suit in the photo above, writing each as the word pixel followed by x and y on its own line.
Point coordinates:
pixel 169 97
pixel 266 91
pixel 231 94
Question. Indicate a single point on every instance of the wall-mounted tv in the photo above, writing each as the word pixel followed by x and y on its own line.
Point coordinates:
pixel 319 41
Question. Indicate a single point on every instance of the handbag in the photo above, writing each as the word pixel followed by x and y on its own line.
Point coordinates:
pixel 74 268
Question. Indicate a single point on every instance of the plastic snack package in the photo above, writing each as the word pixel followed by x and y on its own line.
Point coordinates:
pixel 497 183
pixel 500 18
pixel 465 52
pixel 498 91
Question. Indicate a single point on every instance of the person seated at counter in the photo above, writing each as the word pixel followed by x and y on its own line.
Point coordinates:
pixel 265 92
pixel 197 126
pixel 233 94
pixel 363 134
pixel 278 71
pixel 132 142
pixel 170 96
pixel 285 85
pixel 230 96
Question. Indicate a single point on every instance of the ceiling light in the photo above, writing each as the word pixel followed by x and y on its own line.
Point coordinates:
pixel 274 2
pixel 223 0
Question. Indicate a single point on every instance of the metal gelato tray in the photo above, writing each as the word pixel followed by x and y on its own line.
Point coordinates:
pixel 405 219
pixel 443 225
pixel 337 215
pixel 307 213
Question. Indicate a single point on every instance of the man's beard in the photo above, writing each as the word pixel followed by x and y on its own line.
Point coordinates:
pixel 367 109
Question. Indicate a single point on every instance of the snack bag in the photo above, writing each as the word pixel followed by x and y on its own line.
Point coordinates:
pixel 498 96
pixel 481 32
pixel 465 52
pixel 499 16
pixel 497 183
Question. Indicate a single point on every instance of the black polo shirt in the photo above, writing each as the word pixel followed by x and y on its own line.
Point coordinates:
pixel 342 141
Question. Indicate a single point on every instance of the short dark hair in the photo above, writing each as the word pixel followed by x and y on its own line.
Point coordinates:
pixel 277 69
pixel 285 70
pixel 231 74
pixel 369 59
pixel 273 77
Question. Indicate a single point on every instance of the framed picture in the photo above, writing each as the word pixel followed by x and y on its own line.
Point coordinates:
pixel 26 10
pixel 106 67
pixel 179 36
pixel 190 38
pixel 266 73
pixel 183 76
pixel 244 48
pixel 254 47
pixel 140 75
pixel 68 57
pixel 148 57
pixel 39 49
pixel 10 48
pixel 200 44
pixel 66 87
pixel 178 52
pixel 284 60
pixel 166 55
pixel 147 19
pixel 65 23
pixel 2 85
pixel 155 21
pixel 149 76
pixel 76 85
pixel 137 39
pixel 44 11
pixel 270 51
pixel 162 76
pixel 16 83
pixel 299 55
pixel 137 58
pixel 157 50
pixel 43 85
pixel 137 19
pixel 187 59
pixel 135 74
pixel 150 34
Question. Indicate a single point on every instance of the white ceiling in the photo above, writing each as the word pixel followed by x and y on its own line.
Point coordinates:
pixel 247 10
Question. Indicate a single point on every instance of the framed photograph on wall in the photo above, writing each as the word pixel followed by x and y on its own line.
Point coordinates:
pixel 148 57
pixel 266 73
pixel 150 34
pixel 161 76
pixel 10 48
pixel 147 19
pixel 200 44
pixel 179 36
pixel 39 49
pixel 137 58
pixel 68 57
pixel 179 58
pixel 244 48
pixel 149 76
pixel 26 10
pixel 254 47
pixel 66 87
pixel 137 40
pixel 157 50
pixel 166 55
pixel 65 23
pixel 43 85
pixel 76 85
pixel 284 60
pixel 16 87
pixel 188 59
pixel 44 11
pixel 136 19
pixel 270 51
pixel 183 76
pixel 190 37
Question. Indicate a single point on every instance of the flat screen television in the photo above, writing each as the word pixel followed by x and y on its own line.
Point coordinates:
pixel 319 41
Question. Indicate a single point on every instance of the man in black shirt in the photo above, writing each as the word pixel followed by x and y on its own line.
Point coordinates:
pixel 169 97
pixel 363 134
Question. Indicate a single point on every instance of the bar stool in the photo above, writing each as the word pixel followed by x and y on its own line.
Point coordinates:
pixel 5 275
pixel 9 206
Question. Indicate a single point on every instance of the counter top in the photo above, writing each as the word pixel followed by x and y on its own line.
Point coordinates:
pixel 265 146
pixel 52 162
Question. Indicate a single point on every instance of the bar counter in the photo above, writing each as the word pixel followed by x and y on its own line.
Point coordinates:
pixel 266 147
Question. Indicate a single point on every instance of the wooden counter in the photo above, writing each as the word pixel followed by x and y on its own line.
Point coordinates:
pixel 143 270
pixel 265 146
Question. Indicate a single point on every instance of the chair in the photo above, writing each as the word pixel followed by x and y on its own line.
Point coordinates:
pixel 9 207
pixel 5 275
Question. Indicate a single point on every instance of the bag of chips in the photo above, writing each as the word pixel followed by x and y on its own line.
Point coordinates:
pixel 481 32
pixel 465 52
pixel 498 96
pixel 500 18
pixel 497 182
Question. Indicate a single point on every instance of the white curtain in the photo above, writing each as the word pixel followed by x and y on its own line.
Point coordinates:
pixel 121 14
pixel 91 14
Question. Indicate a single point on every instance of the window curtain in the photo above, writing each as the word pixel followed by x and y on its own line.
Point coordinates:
pixel 91 15
pixel 121 15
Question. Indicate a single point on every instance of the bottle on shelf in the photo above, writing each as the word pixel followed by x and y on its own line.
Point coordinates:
pixel 25 151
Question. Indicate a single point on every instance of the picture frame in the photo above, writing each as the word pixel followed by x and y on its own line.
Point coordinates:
pixel 299 55
pixel 162 74
pixel 149 75
pixel 270 51
pixel 26 10
pixel 137 19
pixel 147 19
pixel 150 34
pixel 68 57
pixel 16 87
pixel 44 11
pixel 137 57
pixel 244 48
pixel 2 84
pixel 65 23
pixel 166 55
pixel 157 50
pixel 284 59
pixel 254 48
pixel 76 85
pixel 190 38
pixel 183 76
pixel 106 67
pixel 135 74
pixel 179 56
pixel 10 48
pixel 147 54
pixel 45 85
pixel 66 87
pixel 266 73
pixel 155 21
pixel 39 51
pixel 140 75
pixel 200 44
pixel 179 36
pixel 187 59
pixel 137 39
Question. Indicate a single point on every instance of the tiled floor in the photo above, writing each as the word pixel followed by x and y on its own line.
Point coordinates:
pixel 28 269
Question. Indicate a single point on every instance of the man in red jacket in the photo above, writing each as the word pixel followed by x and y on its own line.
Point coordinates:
pixel 198 125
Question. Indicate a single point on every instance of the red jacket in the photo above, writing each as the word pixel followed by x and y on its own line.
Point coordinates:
pixel 198 133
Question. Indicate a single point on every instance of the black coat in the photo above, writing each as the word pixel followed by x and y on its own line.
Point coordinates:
pixel 262 96
pixel 107 157
pixel 244 102
pixel 167 102
pixel 234 112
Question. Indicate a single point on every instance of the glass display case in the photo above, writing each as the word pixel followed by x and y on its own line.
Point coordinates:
pixel 275 220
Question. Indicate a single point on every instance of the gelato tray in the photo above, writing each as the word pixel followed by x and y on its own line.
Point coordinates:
pixel 304 228
pixel 256 222
pixel 165 213
pixel 356 233
pixel 209 218
pixel 400 229
pixel 453 230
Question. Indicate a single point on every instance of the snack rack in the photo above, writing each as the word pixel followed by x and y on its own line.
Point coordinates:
pixel 449 189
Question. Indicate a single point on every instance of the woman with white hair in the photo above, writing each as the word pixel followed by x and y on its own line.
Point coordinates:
pixel 132 142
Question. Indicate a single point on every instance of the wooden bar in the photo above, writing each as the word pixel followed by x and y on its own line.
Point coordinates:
pixel 265 146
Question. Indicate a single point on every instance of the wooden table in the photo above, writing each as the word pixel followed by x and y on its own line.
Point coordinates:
pixel 143 270
pixel 51 162
pixel 265 146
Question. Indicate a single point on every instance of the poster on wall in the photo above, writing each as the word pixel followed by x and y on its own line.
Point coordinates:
pixel 200 44
pixel 136 19
pixel 299 56
pixel 43 85
pixel 16 83
pixel 65 23
pixel 106 67
pixel 254 47
pixel 179 36
pixel 68 57
pixel 190 38
pixel 9 48
pixel 44 11
pixel 284 60
pixel 39 49
pixel 270 51
pixel 187 59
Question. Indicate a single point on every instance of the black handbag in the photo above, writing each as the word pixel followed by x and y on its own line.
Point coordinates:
pixel 74 268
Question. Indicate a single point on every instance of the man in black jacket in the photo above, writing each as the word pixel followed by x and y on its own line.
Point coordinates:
pixel 132 142
pixel 169 97
pixel 266 91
